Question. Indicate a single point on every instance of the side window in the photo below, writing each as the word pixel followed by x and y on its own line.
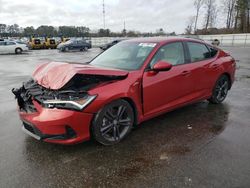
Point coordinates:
pixel 198 52
pixel 10 43
pixel 172 53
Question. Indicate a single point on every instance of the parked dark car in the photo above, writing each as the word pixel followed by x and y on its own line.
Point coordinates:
pixel 74 45
pixel 108 45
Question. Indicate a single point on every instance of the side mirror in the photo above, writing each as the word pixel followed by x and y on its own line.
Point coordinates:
pixel 162 66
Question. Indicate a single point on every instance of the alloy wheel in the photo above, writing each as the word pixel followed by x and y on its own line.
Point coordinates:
pixel 113 122
pixel 222 89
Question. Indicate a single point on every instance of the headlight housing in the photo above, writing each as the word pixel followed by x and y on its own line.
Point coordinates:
pixel 72 103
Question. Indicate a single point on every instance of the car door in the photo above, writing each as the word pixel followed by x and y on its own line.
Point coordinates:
pixel 82 45
pixel 73 45
pixel 165 90
pixel 77 45
pixel 204 68
pixel 5 47
pixel 10 47
pixel 2 44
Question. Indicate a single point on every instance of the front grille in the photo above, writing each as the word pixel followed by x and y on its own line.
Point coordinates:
pixel 25 95
pixel 29 107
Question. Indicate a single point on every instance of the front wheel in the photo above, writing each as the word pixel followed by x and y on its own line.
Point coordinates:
pixel 113 122
pixel 66 49
pixel 18 51
pixel 86 48
pixel 220 90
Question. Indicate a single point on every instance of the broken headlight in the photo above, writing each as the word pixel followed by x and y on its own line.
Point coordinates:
pixel 71 103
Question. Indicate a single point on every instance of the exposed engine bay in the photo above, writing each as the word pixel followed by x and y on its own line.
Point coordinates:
pixel 73 95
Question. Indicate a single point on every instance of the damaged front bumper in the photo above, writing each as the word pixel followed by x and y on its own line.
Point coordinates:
pixel 57 125
pixel 50 124
pixel 31 130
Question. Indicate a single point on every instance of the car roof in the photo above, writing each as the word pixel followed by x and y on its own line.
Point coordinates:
pixel 164 39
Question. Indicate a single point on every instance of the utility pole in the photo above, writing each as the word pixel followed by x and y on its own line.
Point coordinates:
pixel 103 12
pixel 248 16
pixel 248 23
pixel 124 32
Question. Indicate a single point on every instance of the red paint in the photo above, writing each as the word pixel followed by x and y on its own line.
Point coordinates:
pixel 152 93
pixel 55 75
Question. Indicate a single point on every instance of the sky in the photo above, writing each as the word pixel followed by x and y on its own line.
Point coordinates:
pixel 139 15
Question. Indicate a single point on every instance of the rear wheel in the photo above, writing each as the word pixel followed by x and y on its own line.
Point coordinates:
pixel 66 49
pixel 113 122
pixel 220 90
pixel 18 51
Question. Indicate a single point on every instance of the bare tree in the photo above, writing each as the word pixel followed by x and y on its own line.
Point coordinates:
pixel 211 13
pixel 242 16
pixel 197 4
pixel 230 12
pixel 248 15
pixel 190 25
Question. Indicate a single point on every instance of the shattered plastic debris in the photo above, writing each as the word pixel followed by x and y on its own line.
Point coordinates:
pixel 188 181
pixel 164 156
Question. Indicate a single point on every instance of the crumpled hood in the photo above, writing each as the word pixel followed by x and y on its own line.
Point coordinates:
pixel 55 75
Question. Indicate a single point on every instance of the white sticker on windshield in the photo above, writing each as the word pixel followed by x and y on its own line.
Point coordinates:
pixel 147 45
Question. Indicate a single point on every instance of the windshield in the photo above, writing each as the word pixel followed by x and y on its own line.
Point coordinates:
pixel 20 42
pixel 69 42
pixel 124 55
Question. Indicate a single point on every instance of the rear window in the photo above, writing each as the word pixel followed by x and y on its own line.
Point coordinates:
pixel 37 41
pixel 52 41
pixel 198 51
pixel 10 43
pixel 18 42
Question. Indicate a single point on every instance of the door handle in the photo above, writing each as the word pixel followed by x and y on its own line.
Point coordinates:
pixel 185 73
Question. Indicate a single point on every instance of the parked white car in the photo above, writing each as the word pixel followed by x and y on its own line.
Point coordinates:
pixel 7 47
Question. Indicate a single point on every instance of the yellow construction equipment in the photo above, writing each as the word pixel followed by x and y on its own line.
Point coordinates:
pixel 64 39
pixel 35 43
pixel 50 43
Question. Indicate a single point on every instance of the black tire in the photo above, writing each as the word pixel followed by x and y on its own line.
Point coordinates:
pixel 18 51
pixel 113 122
pixel 86 48
pixel 220 90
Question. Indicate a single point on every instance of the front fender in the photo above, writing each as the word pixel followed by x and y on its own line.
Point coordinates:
pixel 123 89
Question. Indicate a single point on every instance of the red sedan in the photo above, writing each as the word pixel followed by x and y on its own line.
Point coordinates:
pixel 129 83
